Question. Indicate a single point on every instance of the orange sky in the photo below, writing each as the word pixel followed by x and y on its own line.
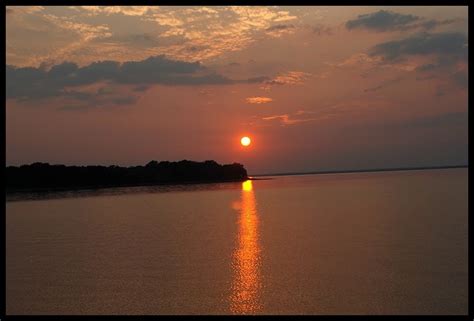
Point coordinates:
pixel 316 88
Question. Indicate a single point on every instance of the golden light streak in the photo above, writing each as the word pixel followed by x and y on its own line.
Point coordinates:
pixel 246 287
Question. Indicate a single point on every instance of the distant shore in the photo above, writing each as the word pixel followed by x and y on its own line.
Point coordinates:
pixel 361 170
pixel 43 177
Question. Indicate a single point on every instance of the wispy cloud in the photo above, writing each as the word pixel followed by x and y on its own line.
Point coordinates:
pixel 357 59
pixel 300 116
pixel 182 33
pixel 258 100
pixel 287 78
pixel 349 109
pixel 286 120
pixel 204 33
pixel 124 10
pixel 384 84
pixel 24 9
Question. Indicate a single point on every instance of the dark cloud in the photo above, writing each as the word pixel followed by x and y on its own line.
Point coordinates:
pixel 431 24
pixel 446 50
pixel 449 45
pixel 458 77
pixel 77 100
pixel 104 96
pixel 384 20
pixel 280 27
pixel 280 30
pixel 33 83
pixel 384 84
pixel 141 88
pixel 142 39
pixel 426 67
pixel 127 100
pixel 381 21
pixel 255 80
pixel 322 30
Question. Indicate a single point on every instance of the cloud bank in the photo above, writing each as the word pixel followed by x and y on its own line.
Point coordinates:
pixel 32 83
pixel 384 20
pixel 381 21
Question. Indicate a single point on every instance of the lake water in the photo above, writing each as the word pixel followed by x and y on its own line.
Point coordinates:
pixel 358 243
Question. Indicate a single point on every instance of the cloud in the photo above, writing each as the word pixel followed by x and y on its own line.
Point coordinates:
pixel 357 59
pixel 320 30
pixel 381 21
pixel 445 55
pixel 300 116
pixel 181 33
pixel 215 31
pixel 104 96
pixel 433 55
pixel 350 109
pixel 24 9
pixel 124 10
pixel 279 30
pixel 258 100
pixel 135 40
pixel 384 20
pixel 253 80
pixel 141 88
pixel 426 67
pixel 33 83
pixel 288 78
pixel 431 24
pixel 453 44
pixel 54 38
pixel 384 84
pixel 283 118
pixel 86 31
pixel 279 27
pixel 286 119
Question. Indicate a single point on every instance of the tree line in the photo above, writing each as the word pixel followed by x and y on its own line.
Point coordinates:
pixel 43 176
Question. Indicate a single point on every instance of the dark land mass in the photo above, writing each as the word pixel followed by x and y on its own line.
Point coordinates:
pixel 362 170
pixel 39 177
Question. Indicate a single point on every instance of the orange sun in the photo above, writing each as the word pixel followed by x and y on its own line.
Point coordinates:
pixel 245 141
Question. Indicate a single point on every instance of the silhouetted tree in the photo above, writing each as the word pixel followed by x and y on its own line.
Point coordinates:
pixel 43 176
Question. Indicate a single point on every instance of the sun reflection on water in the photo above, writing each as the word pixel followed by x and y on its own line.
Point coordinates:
pixel 246 287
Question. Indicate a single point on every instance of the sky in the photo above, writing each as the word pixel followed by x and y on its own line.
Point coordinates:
pixel 315 88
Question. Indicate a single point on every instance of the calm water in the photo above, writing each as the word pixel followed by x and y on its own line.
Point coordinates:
pixel 362 243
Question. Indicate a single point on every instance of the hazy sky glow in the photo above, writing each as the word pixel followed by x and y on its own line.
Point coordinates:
pixel 315 88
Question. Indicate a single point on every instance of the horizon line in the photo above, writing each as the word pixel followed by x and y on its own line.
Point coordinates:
pixel 391 169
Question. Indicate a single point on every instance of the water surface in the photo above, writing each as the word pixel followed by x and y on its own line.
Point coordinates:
pixel 360 243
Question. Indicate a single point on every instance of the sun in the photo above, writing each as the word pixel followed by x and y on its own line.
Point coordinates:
pixel 245 141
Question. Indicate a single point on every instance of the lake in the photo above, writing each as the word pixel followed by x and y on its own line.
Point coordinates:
pixel 352 243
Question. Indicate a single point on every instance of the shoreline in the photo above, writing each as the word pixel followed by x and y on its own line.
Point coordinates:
pixel 92 188
pixel 361 171
pixel 255 177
